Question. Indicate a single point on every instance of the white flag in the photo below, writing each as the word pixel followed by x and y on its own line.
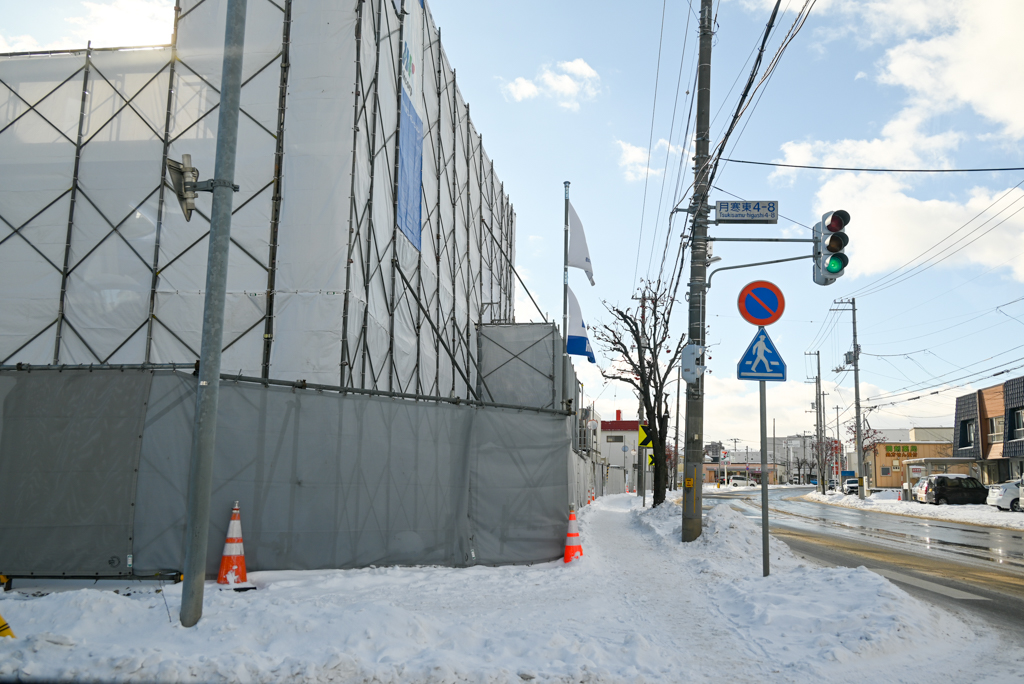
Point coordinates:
pixel 576 341
pixel 579 255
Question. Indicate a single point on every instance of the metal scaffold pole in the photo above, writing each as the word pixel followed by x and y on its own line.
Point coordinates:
pixel 204 432
pixel 693 451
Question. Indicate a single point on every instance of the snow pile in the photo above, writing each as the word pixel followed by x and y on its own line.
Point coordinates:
pixel 801 616
pixel 887 502
pixel 640 606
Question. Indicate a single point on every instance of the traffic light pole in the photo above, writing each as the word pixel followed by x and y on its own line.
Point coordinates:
pixel 693 446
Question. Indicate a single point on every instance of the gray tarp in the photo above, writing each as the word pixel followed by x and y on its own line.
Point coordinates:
pixel 69 453
pixel 324 480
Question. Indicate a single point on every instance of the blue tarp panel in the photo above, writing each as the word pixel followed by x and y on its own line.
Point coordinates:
pixel 410 171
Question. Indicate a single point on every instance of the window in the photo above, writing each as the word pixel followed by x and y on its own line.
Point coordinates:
pixel 966 434
pixel 1018 423
pixel 885 471
pixel 613 438
pixel 995 430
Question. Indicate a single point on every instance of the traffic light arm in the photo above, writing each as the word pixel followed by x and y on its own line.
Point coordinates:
pixel 758 263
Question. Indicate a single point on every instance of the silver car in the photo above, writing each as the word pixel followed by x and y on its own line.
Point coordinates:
pixel 1005 496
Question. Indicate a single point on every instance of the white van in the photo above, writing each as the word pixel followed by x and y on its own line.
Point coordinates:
pixel 739 481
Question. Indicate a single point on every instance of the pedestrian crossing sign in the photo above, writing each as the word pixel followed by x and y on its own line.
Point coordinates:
pixel 761 361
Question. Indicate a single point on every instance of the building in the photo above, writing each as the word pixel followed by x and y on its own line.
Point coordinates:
pixel 619 440
pixel 989 427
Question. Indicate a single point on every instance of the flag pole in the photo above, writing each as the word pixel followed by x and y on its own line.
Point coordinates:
pixel 565 303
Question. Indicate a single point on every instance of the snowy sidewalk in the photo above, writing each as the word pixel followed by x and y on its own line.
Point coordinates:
pixel 638 607
pixel 886 502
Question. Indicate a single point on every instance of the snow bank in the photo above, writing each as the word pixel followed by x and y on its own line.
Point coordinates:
pixel 886 502
pixel 640 606
pixel 804 619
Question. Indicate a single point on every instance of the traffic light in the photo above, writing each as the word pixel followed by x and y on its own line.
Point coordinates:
pixel 830 240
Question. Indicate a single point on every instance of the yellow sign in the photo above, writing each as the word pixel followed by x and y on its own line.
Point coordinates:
pixel 645 439
pixel 650 460
pixel 688 482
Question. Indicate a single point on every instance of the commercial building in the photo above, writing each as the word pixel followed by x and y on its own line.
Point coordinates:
pixel 989 427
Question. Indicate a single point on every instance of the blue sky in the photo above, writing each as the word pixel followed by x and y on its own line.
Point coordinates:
pixel 565 91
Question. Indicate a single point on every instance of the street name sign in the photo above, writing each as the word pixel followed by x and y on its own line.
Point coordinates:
pixel 759 211
pixel 762 360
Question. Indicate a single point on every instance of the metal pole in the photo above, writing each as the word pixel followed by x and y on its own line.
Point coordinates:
pixel 764 481
pixel 862 484
pixel 820 456
pixel 675 460
pixel 693 437
pixel 204 432
pixel 565 297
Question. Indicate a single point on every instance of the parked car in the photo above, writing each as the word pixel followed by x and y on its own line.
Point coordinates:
pixel 832 484
pixel 917 492
pixel 1005 496
pixel 739 481
pixel 850 485
pixel 954 489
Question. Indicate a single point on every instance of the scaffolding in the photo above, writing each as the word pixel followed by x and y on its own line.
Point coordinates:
pixel 370 237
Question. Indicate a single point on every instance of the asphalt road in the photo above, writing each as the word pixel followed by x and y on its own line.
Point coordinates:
pixel 968 569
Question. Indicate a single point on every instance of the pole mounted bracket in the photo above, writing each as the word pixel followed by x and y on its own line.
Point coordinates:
pixel 209 185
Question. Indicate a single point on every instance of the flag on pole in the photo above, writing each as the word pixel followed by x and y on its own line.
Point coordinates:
pixel 577 341
pixel 579 254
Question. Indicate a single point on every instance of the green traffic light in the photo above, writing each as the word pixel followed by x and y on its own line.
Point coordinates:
pixel 834 265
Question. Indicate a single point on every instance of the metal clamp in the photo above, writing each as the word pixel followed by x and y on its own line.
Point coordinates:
pixel 209 185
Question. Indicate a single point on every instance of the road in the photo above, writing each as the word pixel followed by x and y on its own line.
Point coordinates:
pixel 969 569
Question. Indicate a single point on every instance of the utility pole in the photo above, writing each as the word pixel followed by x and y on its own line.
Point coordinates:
pixel 204 431
pixel 693 449
pixel 817 420
pixel 839 448
pixel 675 456
pixel 856 403
pixel 854 356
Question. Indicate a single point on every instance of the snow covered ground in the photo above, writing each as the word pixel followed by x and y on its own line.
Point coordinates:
pixel 886 502
pixel 638 607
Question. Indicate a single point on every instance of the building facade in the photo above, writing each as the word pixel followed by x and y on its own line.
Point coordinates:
pixel 989 427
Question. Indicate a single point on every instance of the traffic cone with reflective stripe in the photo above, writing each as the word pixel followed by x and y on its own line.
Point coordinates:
pixel 573 548
pixel 5 629
pixel 232 561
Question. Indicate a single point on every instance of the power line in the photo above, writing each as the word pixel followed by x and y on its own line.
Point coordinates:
pixel 873 170
pixel 647 170
pixel 879 283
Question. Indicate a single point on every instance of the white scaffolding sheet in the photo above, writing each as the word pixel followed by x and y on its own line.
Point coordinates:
pixel 97 264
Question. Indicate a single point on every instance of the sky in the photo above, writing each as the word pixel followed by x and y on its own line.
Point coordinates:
pixel 596 94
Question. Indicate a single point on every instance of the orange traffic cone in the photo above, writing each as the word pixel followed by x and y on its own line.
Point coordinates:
pixel 5 629
pixel 572 539
pixel 232 561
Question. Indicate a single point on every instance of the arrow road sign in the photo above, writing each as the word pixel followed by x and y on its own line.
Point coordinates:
pixel 645 439
pixel 762 360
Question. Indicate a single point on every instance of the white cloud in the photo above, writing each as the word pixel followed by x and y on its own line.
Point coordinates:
pixel 966 62
pixel 567 83
pixel 521 89
pixel 634 159
pixel 860 75
pixel 110 23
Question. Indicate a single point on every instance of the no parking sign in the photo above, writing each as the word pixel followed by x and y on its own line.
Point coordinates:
pixel 761 303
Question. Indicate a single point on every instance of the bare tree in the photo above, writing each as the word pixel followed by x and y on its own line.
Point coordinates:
pixel 645 357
